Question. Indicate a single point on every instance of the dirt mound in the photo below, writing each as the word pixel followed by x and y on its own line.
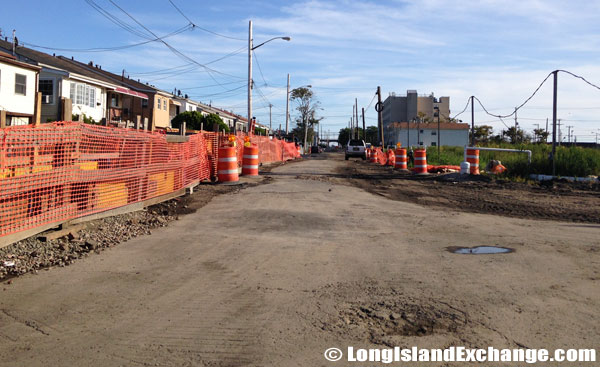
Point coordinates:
pixel 403 317
pixel 385 315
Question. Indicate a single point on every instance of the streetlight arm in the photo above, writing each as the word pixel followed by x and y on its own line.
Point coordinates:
pixel 274 38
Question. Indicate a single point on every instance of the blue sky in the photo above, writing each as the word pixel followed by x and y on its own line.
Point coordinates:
pixel 498 51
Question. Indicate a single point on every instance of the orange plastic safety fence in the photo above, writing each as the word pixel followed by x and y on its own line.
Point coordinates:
pixel 269 150
pixel 66 170
pixel 381 157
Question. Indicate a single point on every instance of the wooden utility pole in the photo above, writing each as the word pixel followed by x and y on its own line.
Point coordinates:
pixel 364 130
pixel 554 96
pixel 356 117
pixel 380 116
pixel 270 126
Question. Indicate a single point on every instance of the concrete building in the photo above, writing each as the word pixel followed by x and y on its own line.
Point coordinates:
pixel 407 108
pixel 18 88
pixel 426 134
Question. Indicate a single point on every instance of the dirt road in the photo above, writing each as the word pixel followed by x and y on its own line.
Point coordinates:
pixel 275 274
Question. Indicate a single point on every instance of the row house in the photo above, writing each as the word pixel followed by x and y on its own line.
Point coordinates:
pixel 73 89
pixel 18 89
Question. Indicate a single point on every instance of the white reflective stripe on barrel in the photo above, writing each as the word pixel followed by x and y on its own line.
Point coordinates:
pixel 254 156
pixel 420 158
pixel 228 159
pixel 250 166
pixel 473 156
pixel 228 171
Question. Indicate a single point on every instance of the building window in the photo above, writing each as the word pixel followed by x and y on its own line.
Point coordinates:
pixel 165 105
pixel 158 103
pixel 421 131
pixel 434 133
pixel 144 103
pixel 114 100
pixel 433 144
pixel 83 94
pixel 21 84
pixel 46 87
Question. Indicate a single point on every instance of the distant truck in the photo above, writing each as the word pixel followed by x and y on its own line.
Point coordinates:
pixel 356 149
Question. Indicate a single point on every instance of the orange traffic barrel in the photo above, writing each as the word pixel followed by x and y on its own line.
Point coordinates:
pixel 391 158
pixel 227 166
pixel 250 161
pixel 473 159
pixel 420 161
pixel 368 153
pixel 401 159
pixel 373 158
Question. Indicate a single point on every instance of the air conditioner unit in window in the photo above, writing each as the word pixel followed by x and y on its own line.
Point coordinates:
pixel 46 99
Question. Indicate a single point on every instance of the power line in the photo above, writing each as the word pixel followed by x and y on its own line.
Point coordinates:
pixel 174 50
pixel 259 68
pixel 463 111
pixel 107 49
pixel 204 29
pixel 580 77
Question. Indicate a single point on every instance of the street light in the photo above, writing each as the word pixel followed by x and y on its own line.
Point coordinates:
pixel 250 49
pixel 287 105
pixel 437 113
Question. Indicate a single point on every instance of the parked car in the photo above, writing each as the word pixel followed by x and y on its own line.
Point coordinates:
pixel 356 149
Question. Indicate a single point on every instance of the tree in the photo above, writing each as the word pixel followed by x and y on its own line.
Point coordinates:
pixel 483 133
pixel 211 119
pixel 372 135
pixel 516 135
pixel 194 120
pixel 541 135
pixel 307 106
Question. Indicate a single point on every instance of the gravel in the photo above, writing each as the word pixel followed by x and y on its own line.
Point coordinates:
pixel 33 254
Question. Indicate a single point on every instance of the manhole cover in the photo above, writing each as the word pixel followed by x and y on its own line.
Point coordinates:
pixel 480 250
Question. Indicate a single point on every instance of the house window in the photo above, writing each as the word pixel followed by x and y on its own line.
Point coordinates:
pixel 421 131
pixel 46 87
pixel 20 84
pixel 144 103
pixel 433 144
pixel 434 133
pixel 165 105
pixel 83 94
pixel 114 100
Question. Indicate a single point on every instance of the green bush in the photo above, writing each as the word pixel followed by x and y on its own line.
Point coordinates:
pixel 194 120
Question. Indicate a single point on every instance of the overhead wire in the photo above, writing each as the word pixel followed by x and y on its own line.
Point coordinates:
pixel 173 49
pixel 107 49
pixel 201 28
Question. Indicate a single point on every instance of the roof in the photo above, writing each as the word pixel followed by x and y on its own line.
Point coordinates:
pixel 429 125
pixel 36 57
pixel 71 65
pixel 10 59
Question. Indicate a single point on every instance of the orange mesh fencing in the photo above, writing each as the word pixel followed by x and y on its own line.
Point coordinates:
pixel 269 150
pixel 381 157
pixel 65 170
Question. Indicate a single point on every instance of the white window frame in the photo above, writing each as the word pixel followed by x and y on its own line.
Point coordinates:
pixel 83 94
pixel 24 85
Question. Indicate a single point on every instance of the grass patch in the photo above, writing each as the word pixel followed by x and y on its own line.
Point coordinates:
pixel 570 161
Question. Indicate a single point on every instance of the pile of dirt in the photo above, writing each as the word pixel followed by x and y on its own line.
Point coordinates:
pixel 33 254
pixel 385 315
pixel 554 200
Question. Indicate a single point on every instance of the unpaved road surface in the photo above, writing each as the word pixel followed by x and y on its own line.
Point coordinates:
pixel 275 274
